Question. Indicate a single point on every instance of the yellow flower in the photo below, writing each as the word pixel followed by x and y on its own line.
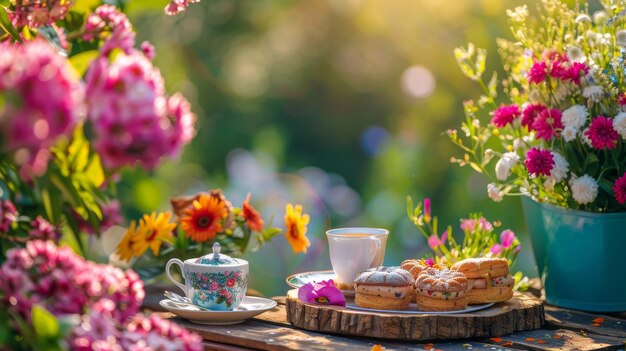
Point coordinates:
pixel 295 224
pixel 153 230
pixel 125 247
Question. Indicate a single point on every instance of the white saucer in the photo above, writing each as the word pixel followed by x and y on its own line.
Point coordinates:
pixel 249 307
pixel 299 279
pixel 413 309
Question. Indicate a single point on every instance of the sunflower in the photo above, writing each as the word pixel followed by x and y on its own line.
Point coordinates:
pixel 153 230
pixel 252 217
pixel 125 247
pixel 203 220
pixel 295 224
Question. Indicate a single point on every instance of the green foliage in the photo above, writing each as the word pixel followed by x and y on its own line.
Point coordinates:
pixel 7 26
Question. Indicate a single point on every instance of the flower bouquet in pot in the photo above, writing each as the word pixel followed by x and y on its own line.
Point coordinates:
pixel 554 131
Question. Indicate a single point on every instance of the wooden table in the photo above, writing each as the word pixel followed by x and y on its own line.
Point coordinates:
pixel 564 330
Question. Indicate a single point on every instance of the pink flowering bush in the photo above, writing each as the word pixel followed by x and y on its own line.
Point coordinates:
pixel 557 132
pixel 480 239
pixel 80 101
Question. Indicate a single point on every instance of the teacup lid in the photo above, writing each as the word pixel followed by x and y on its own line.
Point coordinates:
pixel 217 259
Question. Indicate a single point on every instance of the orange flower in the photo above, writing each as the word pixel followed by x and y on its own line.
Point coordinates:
pixel 253 218
pixel 377 348
pixel 203 220
pixel 295 225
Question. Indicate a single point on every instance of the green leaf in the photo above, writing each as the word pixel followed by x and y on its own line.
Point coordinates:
pixel 81 61
pixel 51 205
pixel 592 165
pixel 7 26
pixel 44 323
pixel 269 233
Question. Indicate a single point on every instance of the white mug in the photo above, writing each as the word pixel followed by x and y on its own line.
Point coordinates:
pixel 353 250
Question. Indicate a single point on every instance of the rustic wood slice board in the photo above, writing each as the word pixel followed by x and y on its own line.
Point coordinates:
pixel 522 312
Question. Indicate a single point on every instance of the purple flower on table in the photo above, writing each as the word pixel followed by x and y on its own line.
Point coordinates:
pixel 506 238
pixel 324 292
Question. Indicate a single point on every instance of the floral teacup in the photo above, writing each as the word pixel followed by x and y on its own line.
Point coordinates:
pixel 215 281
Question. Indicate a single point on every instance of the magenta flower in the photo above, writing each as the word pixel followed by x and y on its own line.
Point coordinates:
pixel 485 224
pixel 175 7
pixel 108 22
pixel 602 134
pixel 427 210
pixel 530 113
pixel 148 50
pixel 434 241
pixel 538 72
pixel 539 162
pixel 430 262
pixel 45 102
pixel 560 65
pixel 622 99
pixel 506 238
pixel 619 188
pixel 576 71
pixel 496 249
pixel 444 236
pixel 39 13
pixel 8 215
pixel 468 224
pixel 42 229
pixel 324 292
pixel 517 249
pixel 505 114
pixel 548 123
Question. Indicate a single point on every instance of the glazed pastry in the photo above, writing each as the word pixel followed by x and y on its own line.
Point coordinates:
pixel 489 277
pixel 415 267
pixel 441 290
pixel 384 288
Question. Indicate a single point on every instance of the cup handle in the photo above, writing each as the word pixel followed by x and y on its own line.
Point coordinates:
pixel 178 262
pixel 378 244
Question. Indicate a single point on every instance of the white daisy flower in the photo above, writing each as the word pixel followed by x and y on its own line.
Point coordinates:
pixel 504 165
pixel 584 189
pixel 494 193
pixel 575 53
pixel 593 93
pixel 560 169
pixel 619 124
pixel 569 133
pixel 575 117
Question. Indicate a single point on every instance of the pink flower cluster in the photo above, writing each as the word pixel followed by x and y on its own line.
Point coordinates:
pixel 469 225
pixel 177 6
pixel 8 215
pixel 107 18
pixel 99 330
pixel 36 13
pixel 619 188
pixel 65 283
pixel 539 162
pixel 43 100
pixel 558 66
pixel 43 230
pixel 544 121
pixel 133 120
pixel 507 237
pixel 434 241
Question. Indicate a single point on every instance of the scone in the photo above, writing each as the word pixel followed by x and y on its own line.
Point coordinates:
pixel 415 267
pixel 441 290
pixel 384 288
pixel 489 278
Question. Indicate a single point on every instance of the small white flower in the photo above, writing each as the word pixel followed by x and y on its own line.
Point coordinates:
pixel 620 38
pixel 619 124
pixel 494 193
pixel 504 165
pixel 584 189
pixel 560 169
pixel 476 123
pixel 593 93
pixel 575 53
pixel 517 144
pixel 519 14
pixel 583 18
pixel 600 17
pixel 488 153
pixel 585 138
pixel 529 138
pixel 569 133
pixel 575 117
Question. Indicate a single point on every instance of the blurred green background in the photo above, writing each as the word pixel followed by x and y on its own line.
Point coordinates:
pixel 336 104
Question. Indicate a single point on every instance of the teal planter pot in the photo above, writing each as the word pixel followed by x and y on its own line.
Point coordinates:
pixel 581 256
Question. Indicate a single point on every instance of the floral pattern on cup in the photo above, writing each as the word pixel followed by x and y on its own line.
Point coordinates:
pixel 217 290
